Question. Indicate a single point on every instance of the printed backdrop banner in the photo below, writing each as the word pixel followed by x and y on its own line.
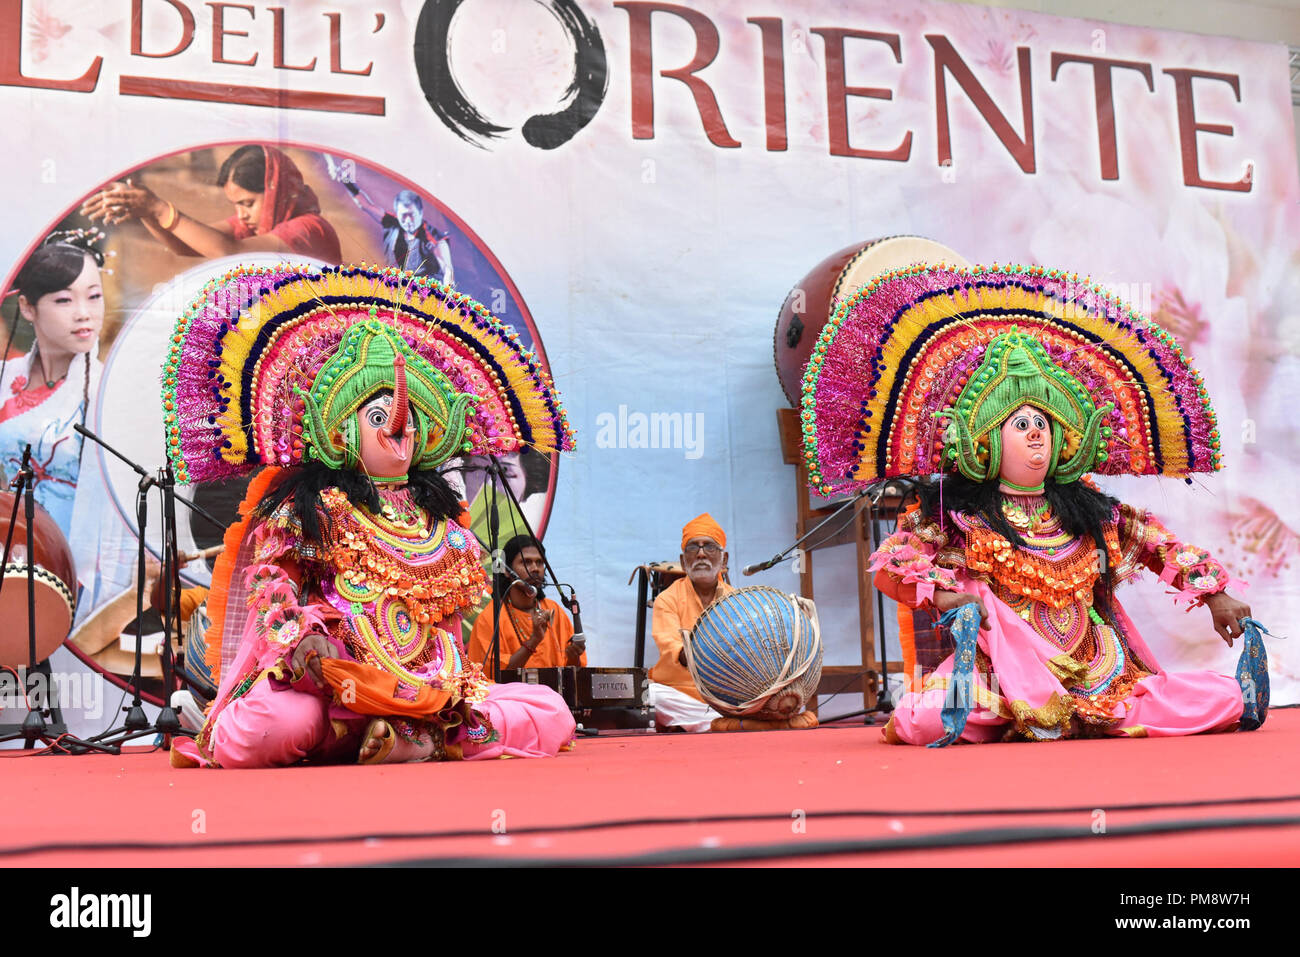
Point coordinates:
pixel 636 187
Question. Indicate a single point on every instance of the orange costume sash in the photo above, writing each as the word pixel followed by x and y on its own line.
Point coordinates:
pixel 365 689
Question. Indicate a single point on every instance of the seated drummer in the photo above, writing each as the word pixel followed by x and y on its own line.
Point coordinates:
pixel 678 705
pixel 535 631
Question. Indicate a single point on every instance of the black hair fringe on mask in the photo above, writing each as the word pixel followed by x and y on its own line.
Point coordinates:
pixel 304 484
pixel 1080 508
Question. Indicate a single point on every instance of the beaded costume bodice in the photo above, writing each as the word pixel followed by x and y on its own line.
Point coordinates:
pixel 1049 583
pixel 1053 567
pixel 394 577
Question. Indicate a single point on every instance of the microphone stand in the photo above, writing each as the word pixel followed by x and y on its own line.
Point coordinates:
pixel 137 724
pixel 884 703
pixel 496 476
pixel 33 728
pixel 781 556
pixel 499 597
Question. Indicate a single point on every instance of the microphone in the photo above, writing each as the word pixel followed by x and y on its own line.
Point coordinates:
pixel 760 566
pixel 575 611
pixel 578 637
pixel 532 592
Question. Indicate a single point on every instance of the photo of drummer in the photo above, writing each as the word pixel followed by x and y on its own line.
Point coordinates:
pixel 105 636
pixel 166 224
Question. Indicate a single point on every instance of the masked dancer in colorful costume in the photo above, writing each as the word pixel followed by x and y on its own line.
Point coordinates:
pixel 336 604
pixel 1013 383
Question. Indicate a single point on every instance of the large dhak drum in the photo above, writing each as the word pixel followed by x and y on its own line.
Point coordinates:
pixel 756 653
pixel 55 582
pixel 195 668
pixel 811 303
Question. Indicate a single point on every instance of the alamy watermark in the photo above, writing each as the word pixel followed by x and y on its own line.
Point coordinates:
pixel 73 691
pixel 654 430
pixel 77 909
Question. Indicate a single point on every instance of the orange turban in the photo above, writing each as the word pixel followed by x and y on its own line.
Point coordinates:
pixel 703 524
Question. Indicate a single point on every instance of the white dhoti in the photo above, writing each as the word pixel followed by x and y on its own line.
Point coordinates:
pixel 676 709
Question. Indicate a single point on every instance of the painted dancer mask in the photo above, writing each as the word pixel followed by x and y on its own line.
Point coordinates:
pixel 1017 388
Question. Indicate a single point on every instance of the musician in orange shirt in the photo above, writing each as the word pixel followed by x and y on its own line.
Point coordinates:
pixel 677 702
pixel 535 631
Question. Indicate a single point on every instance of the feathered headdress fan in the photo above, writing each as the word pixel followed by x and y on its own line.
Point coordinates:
pixel 268 366
pixel 914 374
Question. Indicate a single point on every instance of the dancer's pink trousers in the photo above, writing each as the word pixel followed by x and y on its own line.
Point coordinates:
pixel 275 728
pixel 1162 705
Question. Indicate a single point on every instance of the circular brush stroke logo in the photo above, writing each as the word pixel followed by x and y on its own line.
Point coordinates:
pixel 545 131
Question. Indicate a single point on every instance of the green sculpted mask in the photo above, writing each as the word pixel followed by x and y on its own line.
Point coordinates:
pixel 1017 371
pixel 364 365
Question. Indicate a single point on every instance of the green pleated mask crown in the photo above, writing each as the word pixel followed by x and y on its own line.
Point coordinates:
pixel 1017 371
pixel 365 364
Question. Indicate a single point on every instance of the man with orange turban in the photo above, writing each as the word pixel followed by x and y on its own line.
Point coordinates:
pixel 677 702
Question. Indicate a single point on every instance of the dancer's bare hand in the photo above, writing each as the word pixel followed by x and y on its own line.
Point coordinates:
pixel 1227 612
pixel 303 655
pixel 947 600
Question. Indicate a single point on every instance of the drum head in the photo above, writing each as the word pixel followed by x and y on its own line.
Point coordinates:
pixel 54 580
pixel 755 652
pixel 54 604
pixel 810 304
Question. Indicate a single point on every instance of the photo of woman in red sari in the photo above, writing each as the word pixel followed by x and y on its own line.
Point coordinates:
pixel 275 211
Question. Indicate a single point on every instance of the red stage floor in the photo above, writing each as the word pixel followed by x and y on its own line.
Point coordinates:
pixel 833 796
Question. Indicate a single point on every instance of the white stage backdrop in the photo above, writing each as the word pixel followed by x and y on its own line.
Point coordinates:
pixel 638 185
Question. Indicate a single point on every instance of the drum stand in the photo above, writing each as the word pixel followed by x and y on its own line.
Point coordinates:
pixel 33 727
pixel 136 724
pixel 884 703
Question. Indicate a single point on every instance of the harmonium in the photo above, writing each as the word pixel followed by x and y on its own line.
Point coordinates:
pixel 606 699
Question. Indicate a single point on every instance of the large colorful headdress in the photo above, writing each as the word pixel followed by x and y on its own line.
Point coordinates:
pixel 269 365
pixel 915 374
